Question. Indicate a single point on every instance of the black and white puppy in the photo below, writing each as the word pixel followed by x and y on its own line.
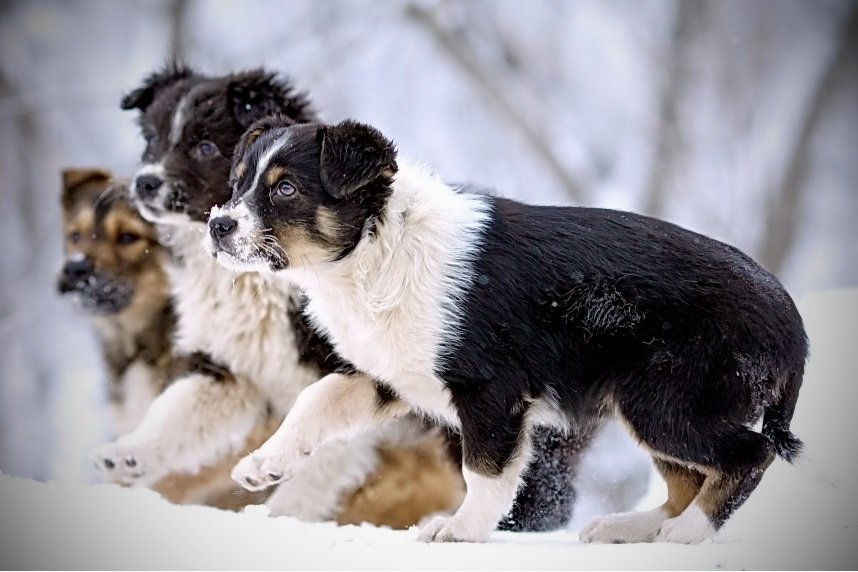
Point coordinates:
pixel 496 316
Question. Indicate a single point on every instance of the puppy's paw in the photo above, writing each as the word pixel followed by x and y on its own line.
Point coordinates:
pixel 690 527
pixel 452 529
pixel 128 463
pixel 258 472
pixel 623 527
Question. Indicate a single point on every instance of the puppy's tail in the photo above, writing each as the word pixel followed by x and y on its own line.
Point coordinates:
pixel 777 417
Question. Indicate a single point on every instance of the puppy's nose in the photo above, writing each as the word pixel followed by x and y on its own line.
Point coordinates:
pixel 77 269
pixel 147 185
pixel 222 226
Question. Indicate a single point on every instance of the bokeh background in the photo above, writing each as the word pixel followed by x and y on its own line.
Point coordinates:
pixel 736 119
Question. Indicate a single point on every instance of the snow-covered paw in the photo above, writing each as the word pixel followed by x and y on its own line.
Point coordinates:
pixel 257 472
pixel 127 464
pixel 623 527
pixel 452 529
pixel 690 527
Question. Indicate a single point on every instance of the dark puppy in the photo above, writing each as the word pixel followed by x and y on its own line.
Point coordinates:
pixel 114 270
pixel 496 317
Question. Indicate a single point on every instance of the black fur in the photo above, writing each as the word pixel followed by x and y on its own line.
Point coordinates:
pixel 352 157
pixel 686 336
pixel 217 111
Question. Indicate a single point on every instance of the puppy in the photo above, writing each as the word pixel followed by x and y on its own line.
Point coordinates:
pixel 495 316
pixel 251 325
pixel 114 271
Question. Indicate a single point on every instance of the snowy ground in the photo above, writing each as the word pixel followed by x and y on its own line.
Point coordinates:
pixel 801 517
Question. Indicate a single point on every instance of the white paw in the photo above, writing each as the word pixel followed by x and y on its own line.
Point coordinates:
pixel 259 471
pixel 128 463
pixel 452 529
pixel 623 527
pixel 690 527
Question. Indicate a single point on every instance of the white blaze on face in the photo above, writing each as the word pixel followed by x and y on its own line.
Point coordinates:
pixel 154 209
pixel 265 160
pixel 245 244
pixel 180 117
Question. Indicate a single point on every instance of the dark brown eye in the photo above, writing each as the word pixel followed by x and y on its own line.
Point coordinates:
pixel 284 190
pixel 206 149
pixel 74 237
pixel 127 238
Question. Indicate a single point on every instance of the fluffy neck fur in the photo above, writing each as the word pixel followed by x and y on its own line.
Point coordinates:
pixel 241 320
pixel 391 305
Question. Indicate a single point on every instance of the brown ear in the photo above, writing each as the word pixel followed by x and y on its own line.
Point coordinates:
pixel 353 156
pixel 75 179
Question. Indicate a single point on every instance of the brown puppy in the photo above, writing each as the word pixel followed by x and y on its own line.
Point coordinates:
pixel 113 270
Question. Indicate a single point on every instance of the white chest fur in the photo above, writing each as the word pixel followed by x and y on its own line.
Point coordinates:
pixel 241 320
pixel 392 306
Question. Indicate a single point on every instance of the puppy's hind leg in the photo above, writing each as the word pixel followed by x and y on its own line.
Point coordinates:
pixel 683 485
pixel 721 494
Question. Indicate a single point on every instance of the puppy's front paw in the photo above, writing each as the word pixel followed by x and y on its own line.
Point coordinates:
pixel 257 472
pixel 127 464
pixel 452 529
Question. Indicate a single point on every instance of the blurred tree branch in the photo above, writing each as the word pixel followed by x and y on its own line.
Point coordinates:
pixel 782 223
pixel 492 88
pixel 178 11
pixel 669 138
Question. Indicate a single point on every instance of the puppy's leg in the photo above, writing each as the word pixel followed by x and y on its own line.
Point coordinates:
pixel 333 407
pixel 496 449
pixel 721 494
pixel 683 484
pixel 197 421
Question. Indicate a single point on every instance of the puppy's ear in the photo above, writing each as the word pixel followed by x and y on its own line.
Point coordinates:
pixel 256 94
pixel 353 156
pixel 252 134
pixel 142 97
pixel 76 179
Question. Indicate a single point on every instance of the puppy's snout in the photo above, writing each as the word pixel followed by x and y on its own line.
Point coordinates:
pixel 146 186
pixel 222 226
pixel 77 269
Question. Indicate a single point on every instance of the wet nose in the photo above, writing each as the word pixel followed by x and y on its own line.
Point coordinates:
pixel 222 226
pixel 147 186
pixel 77 269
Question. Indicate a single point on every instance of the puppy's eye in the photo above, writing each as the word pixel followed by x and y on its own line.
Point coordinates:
pixel 125 238
pixel 74 237
pixel 206 149
pixel 283 190
pixel 151 138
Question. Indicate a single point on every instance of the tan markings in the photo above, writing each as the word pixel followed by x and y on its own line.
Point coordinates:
pixel 327 224
pixel 240 169
pixel 273 175
pixel 213 486
pixel 73 178
pixel 301 248
pixel 683 485
pixel 408 485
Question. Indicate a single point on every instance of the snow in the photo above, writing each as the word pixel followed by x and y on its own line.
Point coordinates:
pixel 801 517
